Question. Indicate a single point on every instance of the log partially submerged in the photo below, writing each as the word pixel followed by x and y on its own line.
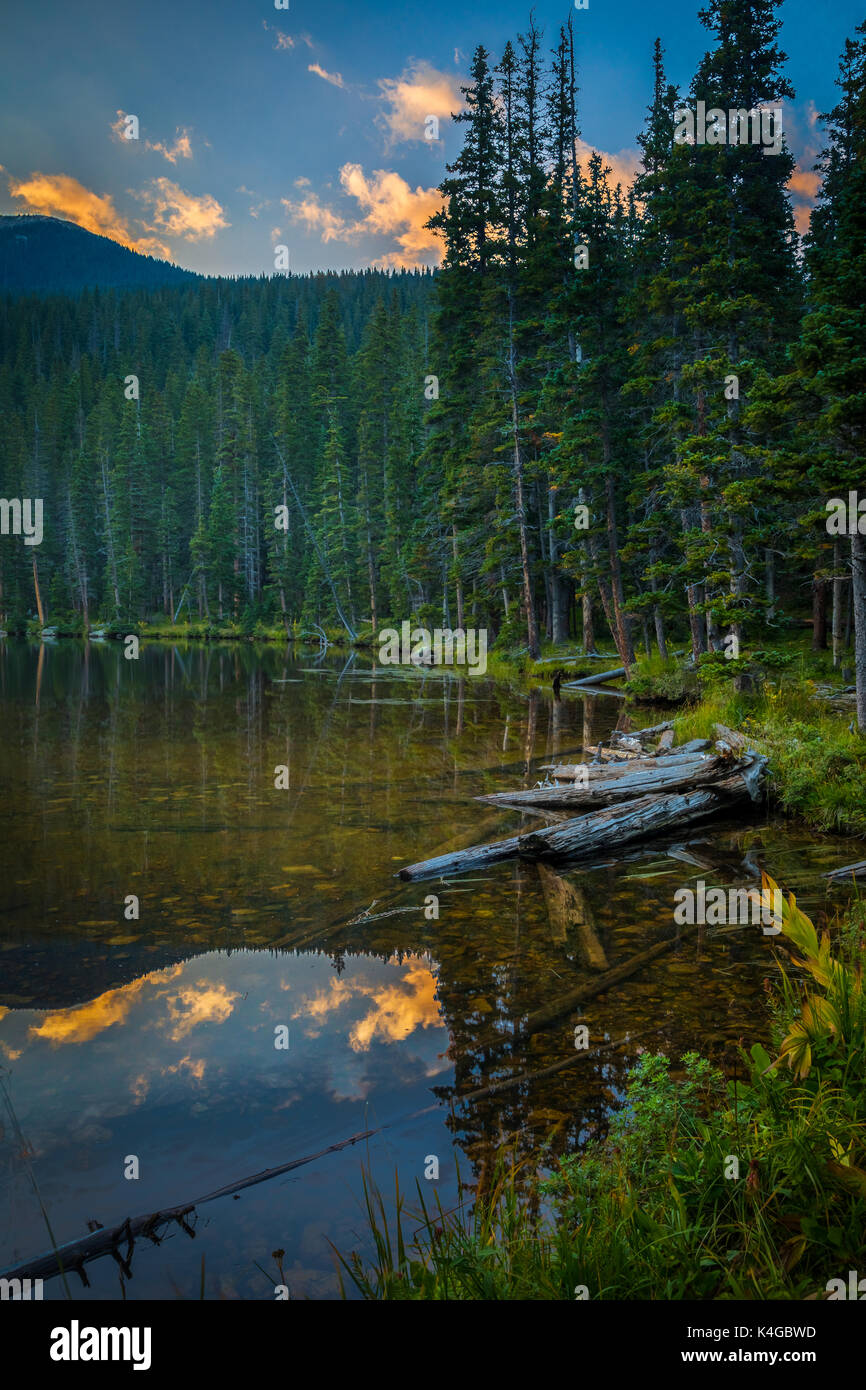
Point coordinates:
pixel 848 871
pixel 566 1002
pixel 571 772
pixel 624 823
pixel 568 910
pixel 74 1254
pixel 666 776
pixel 635 820
pixel 595 679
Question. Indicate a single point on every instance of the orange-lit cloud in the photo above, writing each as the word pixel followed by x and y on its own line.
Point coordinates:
pixel 60 195
pixel 317 218
pixel 804 186
pixel 81 1024
pixel 140 1086
pixel 195 1066
pixel 420 91
pixel 390 207
pixel 623 165
pixel 181 149
pixel 397 1008
pixel 178 213
pixel 202 1002
pixel 335 78
pixel 119 126
pixel 394 209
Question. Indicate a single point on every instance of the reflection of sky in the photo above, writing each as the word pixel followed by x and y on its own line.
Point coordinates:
pixel 180 1067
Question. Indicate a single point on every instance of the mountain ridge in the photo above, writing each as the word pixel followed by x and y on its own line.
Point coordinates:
pixel 50 255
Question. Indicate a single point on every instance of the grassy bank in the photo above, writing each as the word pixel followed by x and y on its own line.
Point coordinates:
pixel 711 1187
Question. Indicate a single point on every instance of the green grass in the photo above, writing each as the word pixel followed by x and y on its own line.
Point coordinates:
pixel 817 767
pixel 707 1188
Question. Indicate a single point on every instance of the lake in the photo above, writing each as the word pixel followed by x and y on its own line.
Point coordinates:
pixel 257 806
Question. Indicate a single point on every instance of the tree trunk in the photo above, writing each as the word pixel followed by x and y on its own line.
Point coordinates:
pixel 858 561
pixel 528 601
pixel 837 602
pixel 38 595
pixel 819 613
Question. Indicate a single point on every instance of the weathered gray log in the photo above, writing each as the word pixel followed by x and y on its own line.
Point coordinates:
pixel 610 790
pixel 477 857
pixel 569 772
pixel 74 1254
pixel 731 736
pixel 566 1002
pixel 848 870
pixel 568 909
pixel 595 679
pixel 575 658
pixel 652 730
pixel 694 745
pixel 622 824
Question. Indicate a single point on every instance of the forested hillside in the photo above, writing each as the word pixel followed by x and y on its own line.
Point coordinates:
pixel 163 429
pixel 47 254
pixel 623 422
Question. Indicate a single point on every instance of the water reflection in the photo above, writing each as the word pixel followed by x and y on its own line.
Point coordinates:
pixel 263 907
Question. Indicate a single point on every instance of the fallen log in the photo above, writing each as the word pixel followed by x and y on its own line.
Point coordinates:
pixel 652 730
pixel 606 791
pixel 622 824
pixel 568 909
pixel 476 857
pixel 523 1077
pixel 731 736
pixel 595 679
pixel 570 772
pixel 848 871
pixel 575 659
pixel 617 754
pixel 636 820
pixel 602 983
pixel 74 1254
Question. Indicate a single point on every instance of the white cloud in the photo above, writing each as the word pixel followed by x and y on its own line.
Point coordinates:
pixel 335 78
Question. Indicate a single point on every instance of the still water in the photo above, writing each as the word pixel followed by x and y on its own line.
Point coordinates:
pixel 153 1037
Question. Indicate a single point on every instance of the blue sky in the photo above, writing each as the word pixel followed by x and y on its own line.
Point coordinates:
pixel 304 126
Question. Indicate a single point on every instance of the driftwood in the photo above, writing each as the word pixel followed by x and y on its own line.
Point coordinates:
pixel 602 983
pixel 568 908
pixel 636 820
pixel 848 871
pixel 74 1254
pixel 617 825
pixel 606 791
pixel 731 737
pixel 570 772
pixel 652 730
pixel 575 658
pixel 477 857
pixel 617 754
pixel 595 679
